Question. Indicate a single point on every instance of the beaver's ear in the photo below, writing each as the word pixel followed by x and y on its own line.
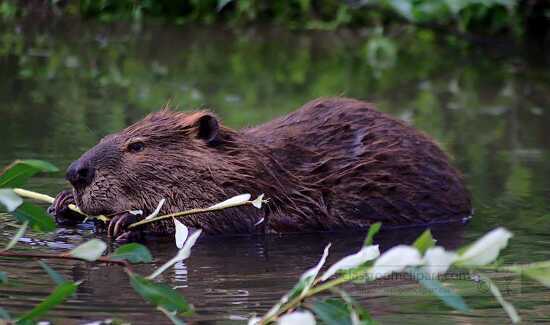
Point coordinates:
pixel 207 127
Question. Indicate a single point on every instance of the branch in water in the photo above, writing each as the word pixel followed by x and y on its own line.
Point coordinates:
pixel 102 259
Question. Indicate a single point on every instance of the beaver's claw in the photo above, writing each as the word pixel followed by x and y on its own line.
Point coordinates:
pixel 61 212
pixel 118 230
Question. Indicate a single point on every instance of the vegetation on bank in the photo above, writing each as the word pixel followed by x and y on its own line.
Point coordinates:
pixel 479 16
pixel 423 261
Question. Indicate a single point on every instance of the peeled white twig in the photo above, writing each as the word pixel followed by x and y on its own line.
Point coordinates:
pixel 233 202
pixel 48 199
pixel 44 198
pixel 34 195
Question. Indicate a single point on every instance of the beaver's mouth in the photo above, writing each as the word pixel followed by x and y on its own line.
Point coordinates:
pixel 91 206
pixel 96 198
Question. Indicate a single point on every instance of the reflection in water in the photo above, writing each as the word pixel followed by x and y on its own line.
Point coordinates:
pixel 180 274
pixel 65 86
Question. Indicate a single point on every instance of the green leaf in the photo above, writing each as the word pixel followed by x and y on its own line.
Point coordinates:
pixel 508 307
pixel 332 311
pixel 293 293
pixel 90 250
pixel 538 271
pixel 160 295
pixel 424 242
pixel 133 253
pixel 297 289
pixel 59 295
pixel 4 315
pixel 449 297
pixel 17 236
pixel 364 316
pixel 3 277
pixel 36 217
pixel 54 275
pixel 17 173
pixel 373 230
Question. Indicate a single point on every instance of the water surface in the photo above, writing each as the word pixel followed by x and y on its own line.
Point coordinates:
pixel 63 86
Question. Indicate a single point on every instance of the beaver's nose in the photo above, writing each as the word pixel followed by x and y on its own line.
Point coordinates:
pixel 80 173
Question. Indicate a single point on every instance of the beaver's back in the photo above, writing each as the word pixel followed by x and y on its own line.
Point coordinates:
pixel 351 165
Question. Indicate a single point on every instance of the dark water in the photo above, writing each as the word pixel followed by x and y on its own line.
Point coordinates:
pixel 63 86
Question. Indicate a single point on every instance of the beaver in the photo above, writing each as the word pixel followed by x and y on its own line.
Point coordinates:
pixel 334 164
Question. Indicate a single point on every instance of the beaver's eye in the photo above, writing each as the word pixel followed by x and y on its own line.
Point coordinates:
pixel 136 146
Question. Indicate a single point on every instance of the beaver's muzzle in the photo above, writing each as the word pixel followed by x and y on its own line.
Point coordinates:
pixel 80 173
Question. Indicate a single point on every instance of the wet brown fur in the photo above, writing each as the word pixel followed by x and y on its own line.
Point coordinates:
pixel 335 163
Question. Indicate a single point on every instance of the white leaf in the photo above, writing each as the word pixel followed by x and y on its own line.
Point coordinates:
pixel 236 200
pixel 395 260
pixel 258 201
pixel 366 253
pixel 297 318
pixel 314 270
pixel 90 250
pixel 183 253
pixel 17 236
pixel 259 222
pixel 157 210
pixel 9 199
pixel 310 275
pixel 181 233
pixel 486 249
pixel 437 260
pixel 136 212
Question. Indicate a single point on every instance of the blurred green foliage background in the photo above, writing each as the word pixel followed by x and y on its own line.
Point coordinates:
pixel 479 16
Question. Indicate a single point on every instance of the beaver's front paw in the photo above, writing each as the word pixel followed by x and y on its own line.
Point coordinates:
pixel 61 212
pixel 118 228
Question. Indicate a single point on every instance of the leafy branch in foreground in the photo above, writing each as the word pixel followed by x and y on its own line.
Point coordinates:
pixel 166 299
pixel 423 260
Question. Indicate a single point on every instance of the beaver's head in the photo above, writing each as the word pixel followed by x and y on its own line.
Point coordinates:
pixel 166 155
